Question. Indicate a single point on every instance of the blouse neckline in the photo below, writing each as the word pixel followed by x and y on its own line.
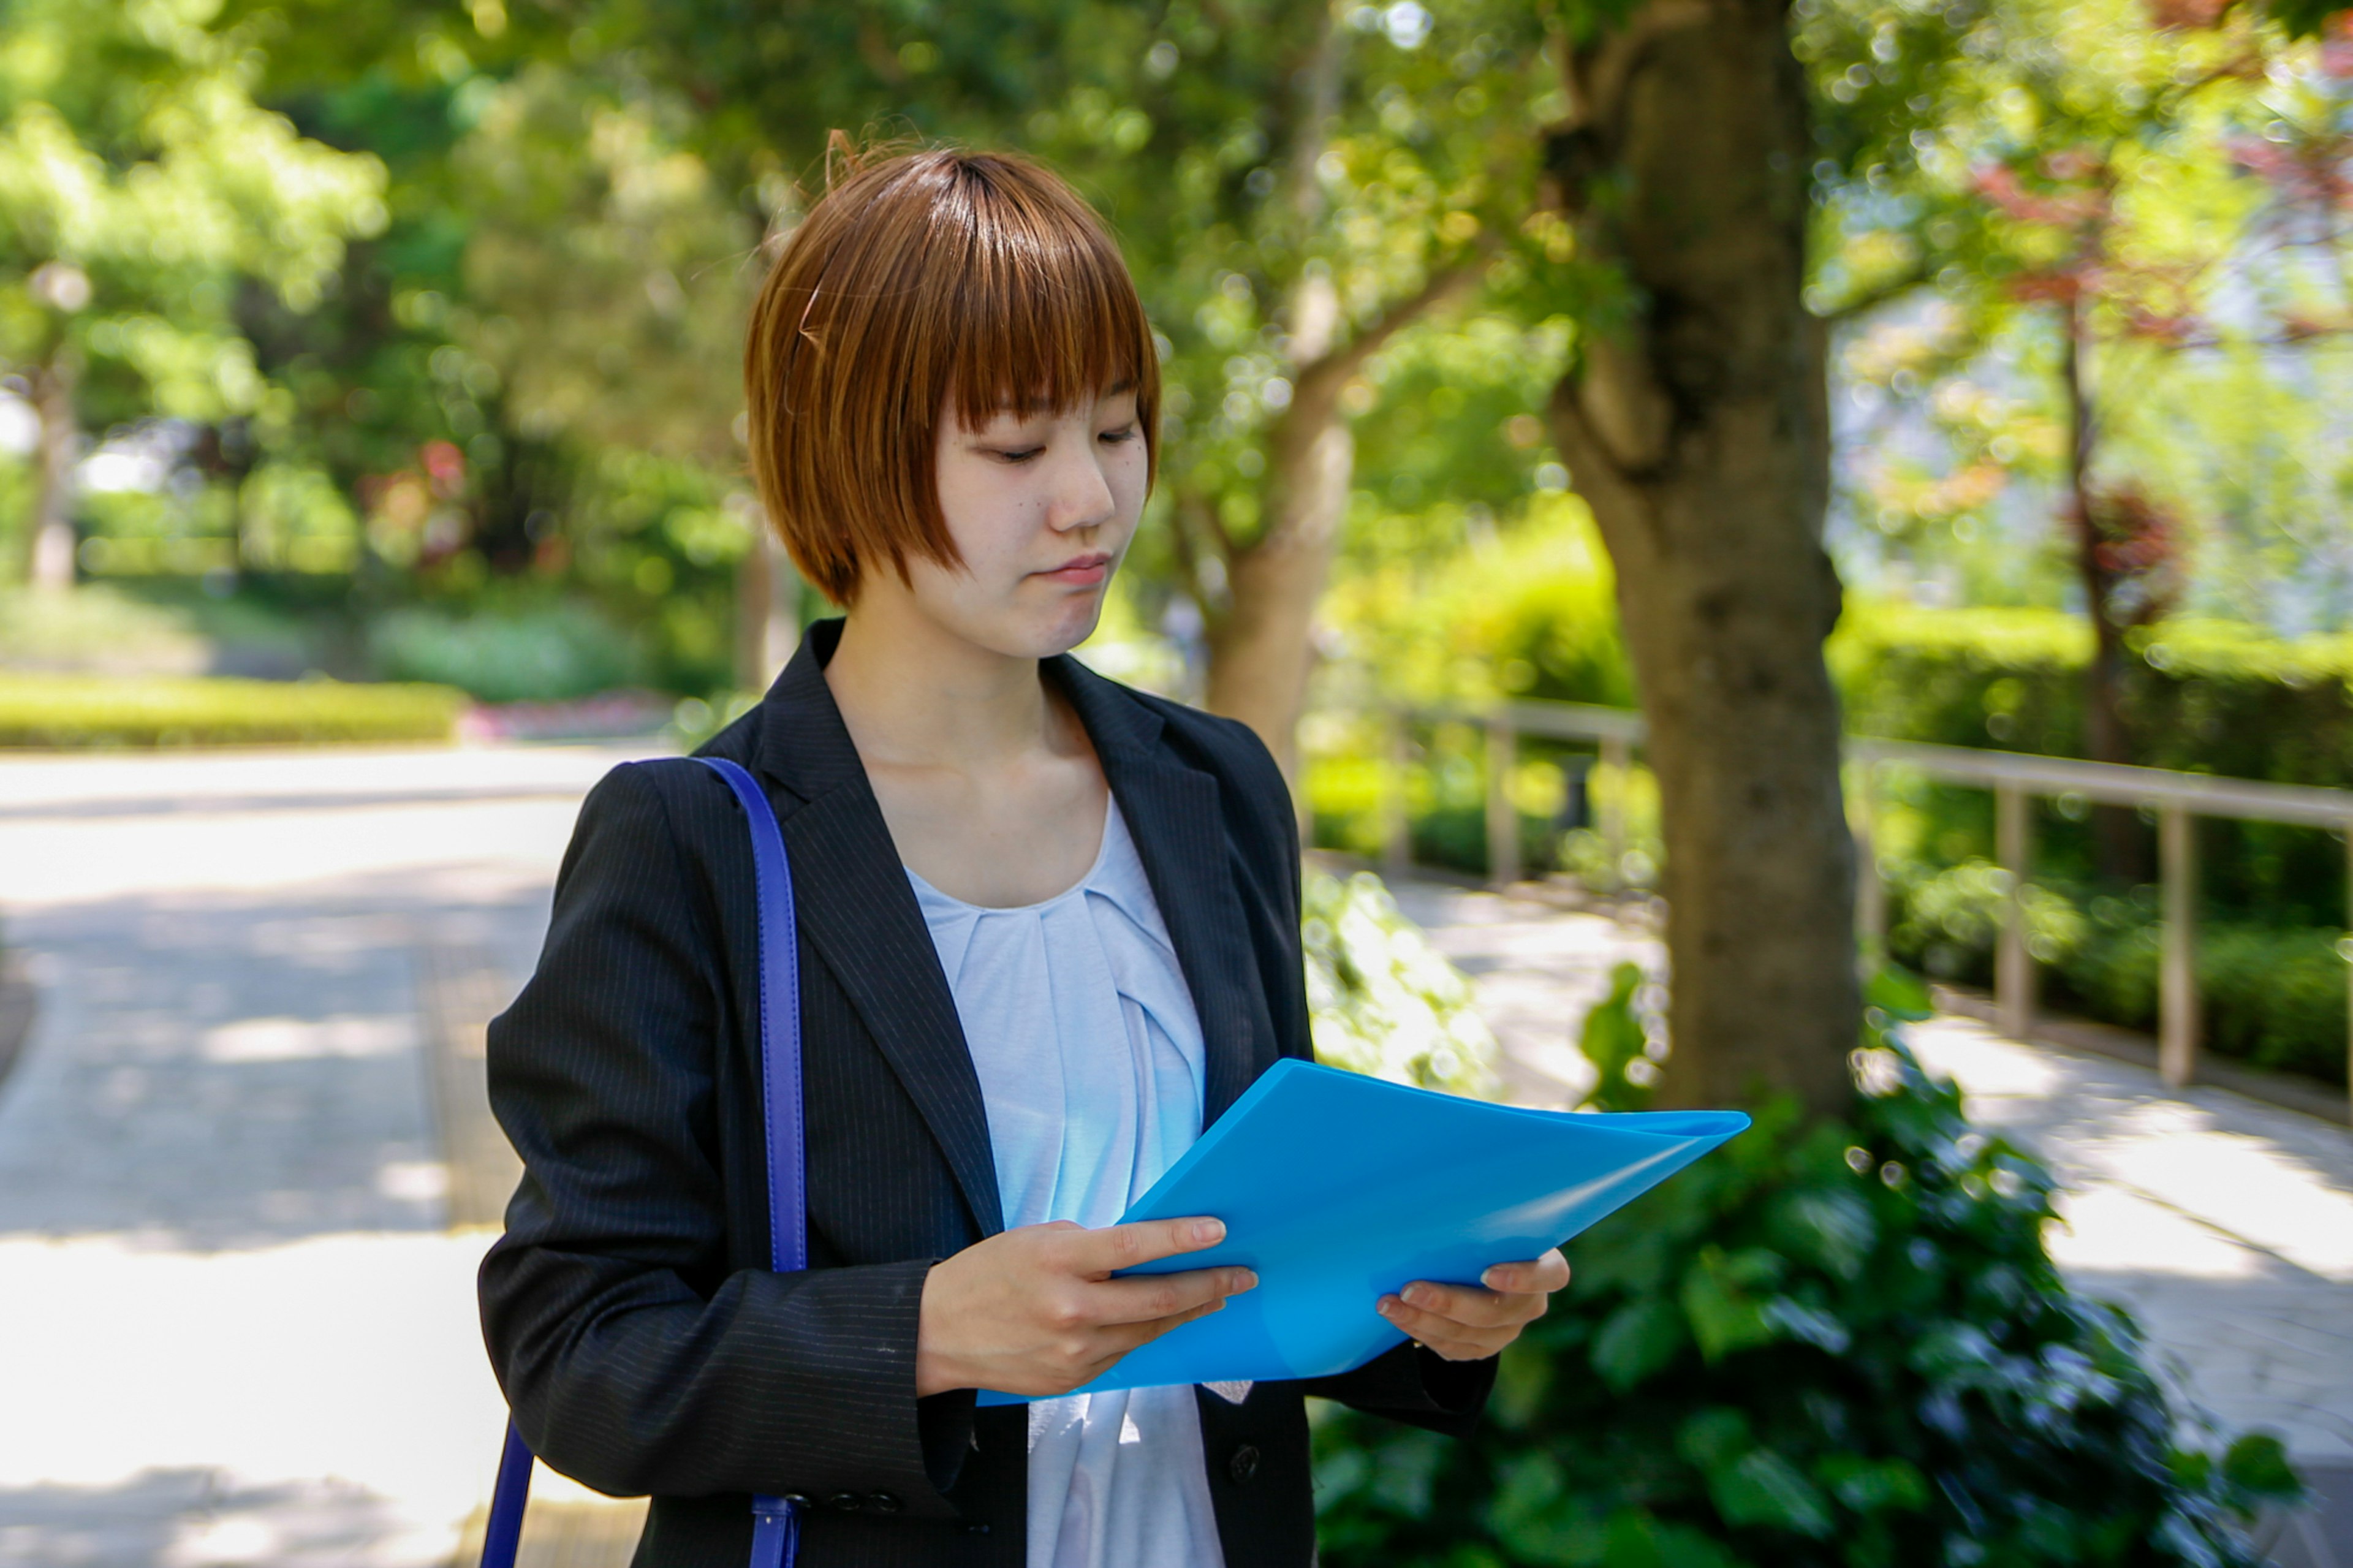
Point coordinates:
pixel 1093 875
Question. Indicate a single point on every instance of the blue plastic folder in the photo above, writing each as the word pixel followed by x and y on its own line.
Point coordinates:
pixel 1339 1188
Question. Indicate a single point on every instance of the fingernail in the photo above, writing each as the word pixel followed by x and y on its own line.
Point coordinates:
pixel 1208 1230
pixel 1247 1280
pixel 1491 1279
pixel 1417 1294
pixel 1386 1307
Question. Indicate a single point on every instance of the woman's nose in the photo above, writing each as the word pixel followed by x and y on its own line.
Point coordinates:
pixel 1082 496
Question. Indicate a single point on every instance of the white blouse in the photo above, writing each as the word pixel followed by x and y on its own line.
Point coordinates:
pixel 1091 1064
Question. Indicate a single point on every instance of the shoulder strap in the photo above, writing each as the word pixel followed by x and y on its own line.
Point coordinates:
pixel 776 1520
pixel 780 1021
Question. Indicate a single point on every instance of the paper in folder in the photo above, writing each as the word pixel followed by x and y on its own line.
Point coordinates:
pixel 1339 1188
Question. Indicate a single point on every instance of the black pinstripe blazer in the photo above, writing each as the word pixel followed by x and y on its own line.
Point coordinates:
pixel 629 1311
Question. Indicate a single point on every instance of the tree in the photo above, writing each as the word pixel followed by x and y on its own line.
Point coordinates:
pixel 139 184
pixel 1694 424
pixel 1295 184
pixel 2072 177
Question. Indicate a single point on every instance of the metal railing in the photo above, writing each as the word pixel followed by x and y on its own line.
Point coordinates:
pixel 2015 779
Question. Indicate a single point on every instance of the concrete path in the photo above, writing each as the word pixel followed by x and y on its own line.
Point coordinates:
pixel 2224 1225
pixel 235 1327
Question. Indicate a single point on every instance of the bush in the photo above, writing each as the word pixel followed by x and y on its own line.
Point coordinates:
pixel 1827 1344
pixel 542 654
pixel 2203 696
pixel 88 711
pixel 1382 1000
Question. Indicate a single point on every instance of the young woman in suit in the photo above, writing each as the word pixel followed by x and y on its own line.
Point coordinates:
pixel 1049 931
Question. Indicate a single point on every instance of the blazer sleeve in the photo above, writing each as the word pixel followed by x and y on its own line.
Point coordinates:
pixel 636 1359
pixel 1409 1383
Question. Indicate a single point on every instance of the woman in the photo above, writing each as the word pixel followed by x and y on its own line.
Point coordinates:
pixel 1049 930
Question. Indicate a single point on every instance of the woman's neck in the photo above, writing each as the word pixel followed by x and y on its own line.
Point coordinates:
pixel 915 695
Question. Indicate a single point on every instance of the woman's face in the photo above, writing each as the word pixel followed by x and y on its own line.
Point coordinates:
pixel 1042 507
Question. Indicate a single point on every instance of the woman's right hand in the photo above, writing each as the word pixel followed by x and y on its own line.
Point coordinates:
pixel 1035 1311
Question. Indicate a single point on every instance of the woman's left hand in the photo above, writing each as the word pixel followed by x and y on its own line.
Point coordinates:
pixel 1462 1322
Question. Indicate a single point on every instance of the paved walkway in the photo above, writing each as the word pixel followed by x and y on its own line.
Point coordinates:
pixel 236 1328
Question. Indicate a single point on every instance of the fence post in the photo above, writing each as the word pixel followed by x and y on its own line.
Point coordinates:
pixel 2013 965
pixel 1870 893
pixel 1615 762
pixel 2176 1028
pixel 1502 816
pixel 1396 830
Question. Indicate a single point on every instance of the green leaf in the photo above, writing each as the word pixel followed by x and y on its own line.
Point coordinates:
pixel 2257 1463
pixel 1715 1301
pixel 1638 1541
pixel 1869 1486
pixel 1715 1439
pixel 1539 1522
pixel 1638 1338
pixel 1763 1488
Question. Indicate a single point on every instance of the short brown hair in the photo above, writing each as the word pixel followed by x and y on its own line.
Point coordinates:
pixel 922 284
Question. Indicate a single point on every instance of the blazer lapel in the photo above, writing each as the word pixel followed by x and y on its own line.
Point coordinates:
pixel 1173 813
pixel 861 914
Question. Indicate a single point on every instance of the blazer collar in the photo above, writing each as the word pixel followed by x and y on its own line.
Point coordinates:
pixel 855 902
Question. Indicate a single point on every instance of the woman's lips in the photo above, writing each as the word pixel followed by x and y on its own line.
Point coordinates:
pixel 1081 573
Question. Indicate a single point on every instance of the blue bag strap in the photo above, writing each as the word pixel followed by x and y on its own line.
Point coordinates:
pixel 776 1520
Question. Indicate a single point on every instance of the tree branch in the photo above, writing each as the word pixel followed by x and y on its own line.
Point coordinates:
pixel 1316 384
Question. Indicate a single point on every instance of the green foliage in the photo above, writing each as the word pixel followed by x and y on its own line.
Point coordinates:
pixel 86 711
pixel 539 654
pixel 1382 1000
pixel 2272 996
pixel 1826 1344
pixel 2207 696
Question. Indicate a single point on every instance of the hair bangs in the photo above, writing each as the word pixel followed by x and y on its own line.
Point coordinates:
pixel 1046 318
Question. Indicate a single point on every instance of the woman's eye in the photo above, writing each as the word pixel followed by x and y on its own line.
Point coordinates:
pixel 1126 433
pixel 1019 455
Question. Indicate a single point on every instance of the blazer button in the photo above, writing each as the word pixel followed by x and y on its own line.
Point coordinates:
pixel 1243 1465
pixel 845 1502
pixel 885 1502
pixel 800 1502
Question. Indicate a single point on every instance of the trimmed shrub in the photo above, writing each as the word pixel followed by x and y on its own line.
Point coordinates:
pixel 545 654
pixel 96 710
pixel 1824 1346
pixel 2210 697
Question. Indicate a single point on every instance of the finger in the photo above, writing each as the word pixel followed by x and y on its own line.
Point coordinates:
pixel 1143 1297
pixel 1117 1339
pixel 1469 1306
pixel 1541 1274
pixel 1118 1247
pixel 1454 1341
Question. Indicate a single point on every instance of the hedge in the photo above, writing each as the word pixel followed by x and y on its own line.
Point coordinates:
pixel 97 711
pixel 2212 696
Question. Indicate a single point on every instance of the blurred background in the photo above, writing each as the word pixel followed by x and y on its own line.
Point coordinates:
pixel 372 478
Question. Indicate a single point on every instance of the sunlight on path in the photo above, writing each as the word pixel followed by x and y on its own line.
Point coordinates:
pixel 234 1329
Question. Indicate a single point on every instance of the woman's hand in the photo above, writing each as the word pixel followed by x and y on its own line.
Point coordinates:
pixel 1462 1322
pixel 1035 1311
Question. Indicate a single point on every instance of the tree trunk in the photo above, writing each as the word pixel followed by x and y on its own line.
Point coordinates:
pixel 1697 430
pixel 1261 649
pixel 2118 847
pixel 49 542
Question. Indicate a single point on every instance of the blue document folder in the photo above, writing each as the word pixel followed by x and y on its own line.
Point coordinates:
pixel 1339 1188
